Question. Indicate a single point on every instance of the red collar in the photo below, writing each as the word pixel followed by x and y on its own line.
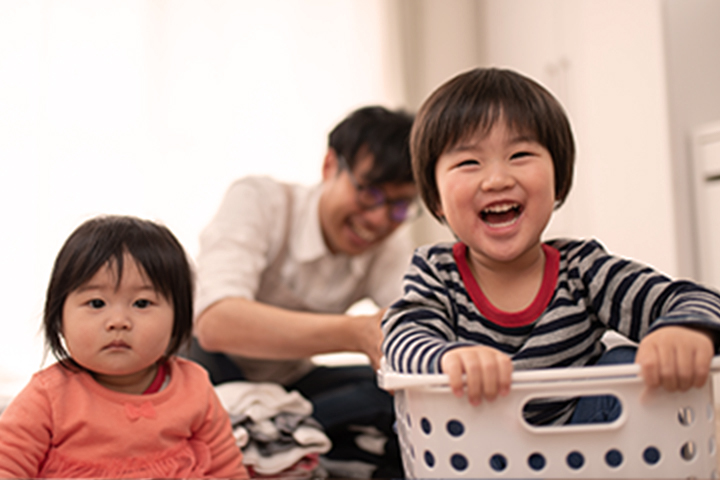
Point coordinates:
pixel 500 317
pixel 160 377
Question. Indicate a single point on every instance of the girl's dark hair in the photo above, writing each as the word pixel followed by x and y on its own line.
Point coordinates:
pixel 474 101
pixel 104 240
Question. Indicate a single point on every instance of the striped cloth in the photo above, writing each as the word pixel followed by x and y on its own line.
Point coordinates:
pixel 585 292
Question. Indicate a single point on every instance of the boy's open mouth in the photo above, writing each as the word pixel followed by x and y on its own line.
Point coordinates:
pixel 501 214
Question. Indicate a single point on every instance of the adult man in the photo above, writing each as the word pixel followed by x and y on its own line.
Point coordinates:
pixel 280 264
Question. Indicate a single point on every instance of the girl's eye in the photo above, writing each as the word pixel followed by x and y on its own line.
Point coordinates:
pixel 96 303
pixel 142 303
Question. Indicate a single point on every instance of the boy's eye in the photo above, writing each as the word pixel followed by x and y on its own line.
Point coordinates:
pixel 520 155
pixel 96 303
pixel 142 303
pixel 466 163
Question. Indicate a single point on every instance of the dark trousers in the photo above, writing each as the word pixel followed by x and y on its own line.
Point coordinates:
pixel 343 399
pixel 603 408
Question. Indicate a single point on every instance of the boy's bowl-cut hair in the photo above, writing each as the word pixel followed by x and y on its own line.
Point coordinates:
pixel 474 101
pixel 106 239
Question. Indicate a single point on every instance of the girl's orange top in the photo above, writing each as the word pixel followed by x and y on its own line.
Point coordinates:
pixel 64 424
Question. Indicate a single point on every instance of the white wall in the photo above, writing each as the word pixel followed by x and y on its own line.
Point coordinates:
pixel 604 60
pixel 692 40
pixel 151 108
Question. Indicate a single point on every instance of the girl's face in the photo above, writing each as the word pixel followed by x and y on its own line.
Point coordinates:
pixel 497 193
pixel 118 332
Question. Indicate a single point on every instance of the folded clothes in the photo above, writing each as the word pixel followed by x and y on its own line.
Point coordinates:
pixel 273 427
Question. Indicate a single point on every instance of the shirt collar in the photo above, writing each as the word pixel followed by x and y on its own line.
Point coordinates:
pixel 307 243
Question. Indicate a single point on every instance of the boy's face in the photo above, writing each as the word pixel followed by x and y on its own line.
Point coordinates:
pixel 497 193
pixel 347 227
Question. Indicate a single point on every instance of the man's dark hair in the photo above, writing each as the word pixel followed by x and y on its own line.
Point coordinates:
pixel 382 133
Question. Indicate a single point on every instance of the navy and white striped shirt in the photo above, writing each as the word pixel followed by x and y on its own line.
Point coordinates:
pixel 585 292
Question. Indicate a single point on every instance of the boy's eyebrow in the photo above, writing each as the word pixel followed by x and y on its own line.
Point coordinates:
pixel 466 145
pixel 523 139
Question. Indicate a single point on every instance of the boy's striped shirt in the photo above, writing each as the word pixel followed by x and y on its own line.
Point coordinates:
pixel 585 292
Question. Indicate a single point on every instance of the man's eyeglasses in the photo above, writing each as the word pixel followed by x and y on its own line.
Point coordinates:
pixel 370 198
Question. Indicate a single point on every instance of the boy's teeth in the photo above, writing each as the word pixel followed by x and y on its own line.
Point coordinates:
pixel 501 215
pixel 500 208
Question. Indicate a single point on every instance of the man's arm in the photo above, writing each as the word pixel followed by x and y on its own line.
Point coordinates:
pixel 245 327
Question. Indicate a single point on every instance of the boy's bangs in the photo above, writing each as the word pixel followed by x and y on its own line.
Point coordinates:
pixel 481 118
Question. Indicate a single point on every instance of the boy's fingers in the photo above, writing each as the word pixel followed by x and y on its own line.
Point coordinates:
pixel 451 366
pixel 490 378
pixel 685 370
pixel 647 359
pixel 505 371
pixel 668 369
pixel 474 379
pixel 702 366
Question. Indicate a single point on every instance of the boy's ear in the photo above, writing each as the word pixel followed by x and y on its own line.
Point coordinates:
pixel 439 211
pixel 330 165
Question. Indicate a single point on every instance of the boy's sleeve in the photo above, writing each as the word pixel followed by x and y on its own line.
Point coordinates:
pixel 25 433
pixel 692 305
pixel 418 328
pixel 634 299
pixel 216 432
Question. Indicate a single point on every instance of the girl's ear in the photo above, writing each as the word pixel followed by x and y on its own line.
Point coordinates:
pixel 330 165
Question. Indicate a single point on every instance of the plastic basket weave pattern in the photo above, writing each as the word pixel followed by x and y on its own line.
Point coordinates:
pixel 659 434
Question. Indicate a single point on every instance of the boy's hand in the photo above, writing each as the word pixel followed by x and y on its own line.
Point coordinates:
pixel 487 372
pixel 675 358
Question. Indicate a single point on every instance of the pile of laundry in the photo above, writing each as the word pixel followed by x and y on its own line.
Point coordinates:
pixel 275 430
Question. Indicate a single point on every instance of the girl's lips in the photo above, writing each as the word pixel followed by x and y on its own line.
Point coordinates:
pixel 116 344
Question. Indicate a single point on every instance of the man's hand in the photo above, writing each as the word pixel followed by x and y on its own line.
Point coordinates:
pixel 675 358
pixel 487 372
pixel 369 336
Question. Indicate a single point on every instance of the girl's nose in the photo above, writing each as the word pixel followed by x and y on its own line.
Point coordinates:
pixel 118 320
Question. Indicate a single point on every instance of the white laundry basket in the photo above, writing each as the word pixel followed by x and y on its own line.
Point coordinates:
pixel 658 434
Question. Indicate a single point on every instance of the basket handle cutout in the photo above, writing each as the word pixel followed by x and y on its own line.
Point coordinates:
pixel 592 412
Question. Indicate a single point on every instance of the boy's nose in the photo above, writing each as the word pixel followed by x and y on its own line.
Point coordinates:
pixel 497 177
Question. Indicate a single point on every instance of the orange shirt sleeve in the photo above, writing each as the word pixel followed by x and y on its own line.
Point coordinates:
pixel 25 432
pixel 216 432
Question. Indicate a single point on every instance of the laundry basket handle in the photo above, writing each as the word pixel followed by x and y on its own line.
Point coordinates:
pixel 389 380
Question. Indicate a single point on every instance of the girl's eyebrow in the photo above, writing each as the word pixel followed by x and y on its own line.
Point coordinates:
pixel 91 286
pixel 88 286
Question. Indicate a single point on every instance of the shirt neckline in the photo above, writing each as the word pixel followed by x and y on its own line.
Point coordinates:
pixel 159 381
pixel 501 317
